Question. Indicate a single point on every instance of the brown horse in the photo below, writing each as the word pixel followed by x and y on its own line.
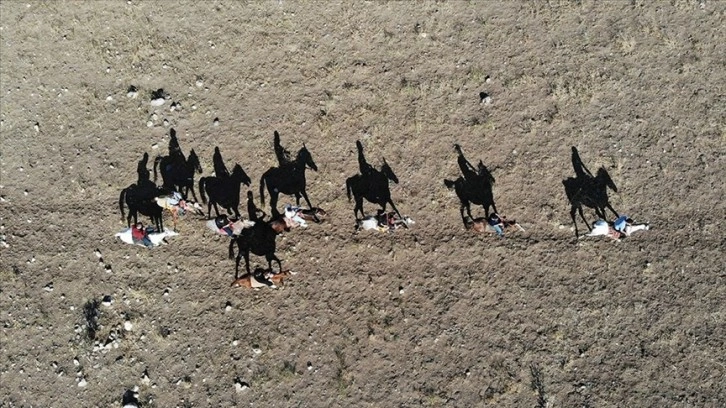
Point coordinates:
pixel 248 280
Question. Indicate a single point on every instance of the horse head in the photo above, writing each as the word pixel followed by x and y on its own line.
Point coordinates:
pixel 388 171
pixel 193 162
pixel 239 175
pixel 305 158
pixel 603 178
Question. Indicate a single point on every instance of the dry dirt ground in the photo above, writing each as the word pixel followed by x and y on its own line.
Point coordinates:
pixel 431 316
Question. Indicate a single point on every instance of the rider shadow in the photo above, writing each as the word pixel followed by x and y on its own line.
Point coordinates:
pixel 282 154
pixel 288 178
pixel 144 185
pixel 177 171
pixel 370 184
pixel 220 170
pixel 475 185
pixel 587 190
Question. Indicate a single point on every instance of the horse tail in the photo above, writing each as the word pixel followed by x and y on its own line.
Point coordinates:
pixel 201 190
pixel 449 184
pixel 156 162
pixel 348 187
pixel 262 189
pixel 121 203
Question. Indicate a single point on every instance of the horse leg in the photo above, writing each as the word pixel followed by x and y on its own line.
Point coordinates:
pixel 247 262
pixel 191 188
pixel 582 215
pixel 297 200
pixel 358 207
pixel 574 221
pixel 611 209
pixel 494 207
pixel 273 257
pixel 159 222
pixel 274 195
pixel 467 205
pixel 307 200
pixel 394 209
pixel 231 247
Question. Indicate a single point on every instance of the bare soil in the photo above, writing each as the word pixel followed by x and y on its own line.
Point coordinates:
pixel 431 316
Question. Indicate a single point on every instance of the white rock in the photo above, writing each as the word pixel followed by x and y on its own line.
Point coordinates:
pixel 82 383
pixel 157 101
pixel 128 326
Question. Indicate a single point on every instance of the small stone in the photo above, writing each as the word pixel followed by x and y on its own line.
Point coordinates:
pixel 216 122
pixel 128 326
pixel 107 300
pixel 109 98
pixel 310 365
pixel 82 383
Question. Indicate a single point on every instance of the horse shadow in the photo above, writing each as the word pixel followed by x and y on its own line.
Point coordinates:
pixel 474 186
pixel 259 239
pixel 223 189
pixel 139 197
pixel 177 171
pixel 370 184
pixel 587 190
pixel 288 178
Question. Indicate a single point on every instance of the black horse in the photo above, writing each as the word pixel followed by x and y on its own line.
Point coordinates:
pixel 177 171
pixel 591 192
pixel 259 240
pixel 139 197
pixel 289 179
pixel 370 184
pixel 473 186
pixel 224 191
